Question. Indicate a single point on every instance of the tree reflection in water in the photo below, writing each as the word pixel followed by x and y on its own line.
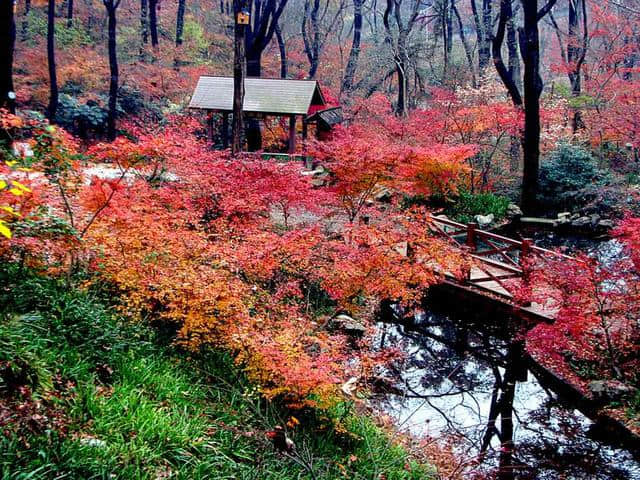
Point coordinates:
pixel 469 381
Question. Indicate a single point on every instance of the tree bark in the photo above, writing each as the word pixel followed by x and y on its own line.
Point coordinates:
pixel 239 74
pixel 180 22
pixel 144 21
pixel 465 44
pixel 153 22
pixel 354 53
pixel 283 52
pixel 484 32
pixel 112 6
pixel 7 43
pixel 529 44
pixel 51 61
pixel 532 88
pixel 265 15
pixel 69 13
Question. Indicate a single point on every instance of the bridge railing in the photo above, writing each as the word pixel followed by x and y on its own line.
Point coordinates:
pixel 502 264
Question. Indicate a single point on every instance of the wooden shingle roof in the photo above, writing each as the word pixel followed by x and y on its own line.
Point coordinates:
pixel 263 95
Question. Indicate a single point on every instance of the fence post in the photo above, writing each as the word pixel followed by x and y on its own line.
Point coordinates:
pixel 471 236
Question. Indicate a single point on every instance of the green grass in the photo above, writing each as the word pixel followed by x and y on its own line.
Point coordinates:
pixel 120 402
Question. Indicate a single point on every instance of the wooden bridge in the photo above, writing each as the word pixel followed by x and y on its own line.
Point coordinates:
pixel 500 266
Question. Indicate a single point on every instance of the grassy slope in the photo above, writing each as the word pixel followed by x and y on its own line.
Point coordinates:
pixel 113 400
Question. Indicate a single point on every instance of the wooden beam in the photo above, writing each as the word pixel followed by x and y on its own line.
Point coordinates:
pixel 304 129
pixel 292 134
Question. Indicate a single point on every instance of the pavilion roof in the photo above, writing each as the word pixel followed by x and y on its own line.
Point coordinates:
pixel 262 95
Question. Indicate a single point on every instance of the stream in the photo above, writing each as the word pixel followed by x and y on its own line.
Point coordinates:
pixel 464 379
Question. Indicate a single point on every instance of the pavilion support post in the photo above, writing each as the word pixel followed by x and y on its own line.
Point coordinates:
pixel 210 126
pixel 292 134
pixel 304 129
pixel 225 130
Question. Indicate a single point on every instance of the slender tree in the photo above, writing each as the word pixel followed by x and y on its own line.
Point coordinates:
pixel 7 43
pixel 25 19
pixel 51 60
pixel 354 53
pixel 529 99
pixel 397 38
pixel 153 22
pixel 69 13
pixel 468 51
pixel 111 7
pixel 180 22
pixel 265 15
pixel 316 28
pixel 282 48
pixel 239 74
pixel 483 21
pixel 574 54
pixel 144 22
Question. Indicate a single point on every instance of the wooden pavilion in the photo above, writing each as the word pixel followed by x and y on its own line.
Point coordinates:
pixel 263 97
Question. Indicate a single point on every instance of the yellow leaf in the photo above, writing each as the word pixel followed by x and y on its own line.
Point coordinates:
pixel 3 184
pixel 10 210
pixel 11 163
pixel 4 230
pixel 16 192
pixel 20 186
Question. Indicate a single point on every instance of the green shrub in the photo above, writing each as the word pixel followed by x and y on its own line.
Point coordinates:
pixel 65 36
pixel 81 118
pixel 569 178
pixel 467 205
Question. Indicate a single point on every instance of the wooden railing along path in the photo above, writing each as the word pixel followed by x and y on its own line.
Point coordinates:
pixel 500 265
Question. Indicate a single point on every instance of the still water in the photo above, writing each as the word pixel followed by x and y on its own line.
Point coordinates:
pixel 462 379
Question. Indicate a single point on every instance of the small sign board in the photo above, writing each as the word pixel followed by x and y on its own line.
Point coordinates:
pixel 242 18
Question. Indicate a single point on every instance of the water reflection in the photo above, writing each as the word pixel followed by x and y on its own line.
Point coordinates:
pixel 470 383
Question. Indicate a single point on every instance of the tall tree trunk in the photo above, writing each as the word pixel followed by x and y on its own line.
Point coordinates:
pixel 465 44
pixel 401 107
pixel 112 6
pixel 447 38
pixel 311 41
pixel 7 43
pixel 532 87
pixel 239 74
pixel 51 60
pixel 144 21
pixel 253 132
pixel 484 32
pixel 354 53
pixel 153 22
pixel 283 52
pixel 69 13
pixel 180 22
pixel 514 71
pixel 25 19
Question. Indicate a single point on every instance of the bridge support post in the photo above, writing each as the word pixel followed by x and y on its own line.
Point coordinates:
pixel 471 236
pixel 525 253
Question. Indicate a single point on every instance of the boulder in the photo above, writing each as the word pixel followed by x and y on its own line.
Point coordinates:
pixel 513 211
pixel 484 220
pixel 347 325
pixel 606 224
pixel 581 222
pixel 595 218
pixel 610 390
